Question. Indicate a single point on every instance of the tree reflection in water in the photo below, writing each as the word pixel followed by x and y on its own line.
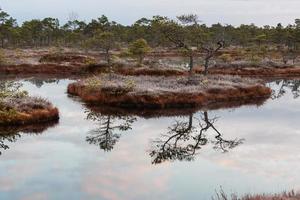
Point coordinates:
pixel 40 82
pixel 12 134
pixel 7 138
pixel 109 129
pixel 184 140
pixel 285 85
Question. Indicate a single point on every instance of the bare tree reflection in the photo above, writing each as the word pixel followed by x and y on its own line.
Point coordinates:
pixel 108 133
pixel 285 85
pixel 183 140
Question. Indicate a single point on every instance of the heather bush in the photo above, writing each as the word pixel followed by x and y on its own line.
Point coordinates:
pixel 93 83
pixel 13 99
pixel 2 58
pixel 255 60
pixel 7 115
pixel 130 84
pixel 26 103
pixel 161 83
pixel 18 53
pixel 11 89
pixel 89 61
pixel 226 58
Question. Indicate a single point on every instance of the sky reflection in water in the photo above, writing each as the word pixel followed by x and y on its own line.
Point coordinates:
pixel 80 158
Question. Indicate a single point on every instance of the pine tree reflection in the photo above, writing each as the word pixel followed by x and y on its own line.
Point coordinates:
pixel 13 134
pixel 285 85
pixel 109 129
pixel 183 140
pixel 40 82
pixel 7 138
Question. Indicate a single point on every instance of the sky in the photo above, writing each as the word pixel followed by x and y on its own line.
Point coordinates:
pixel 235 12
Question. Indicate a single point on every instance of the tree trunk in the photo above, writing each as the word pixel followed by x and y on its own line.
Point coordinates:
pixel 2 43
pixel 107 56
pixel 141 58
pixel 190 122
pixel 206 66
pixel 191 65
pixel 108 62
pixel 206 117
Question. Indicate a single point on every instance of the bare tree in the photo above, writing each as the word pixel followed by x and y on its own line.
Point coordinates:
pixel 72 19
pixel 178 34
pixel 210 52
pixel 190 36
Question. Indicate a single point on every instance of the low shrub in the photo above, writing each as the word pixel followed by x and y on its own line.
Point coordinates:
pixel 226 58
pixel 93 83
pixel 2 58
pixel 130 84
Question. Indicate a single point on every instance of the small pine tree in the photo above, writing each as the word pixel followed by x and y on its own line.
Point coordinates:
pixel 139 49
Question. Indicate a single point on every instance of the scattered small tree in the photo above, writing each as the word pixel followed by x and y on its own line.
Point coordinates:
pixel 104 41
pixel 210 52
pixel 185 34
pixel 139 49
pixel 260 39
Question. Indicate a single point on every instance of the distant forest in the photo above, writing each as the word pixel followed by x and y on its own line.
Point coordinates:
pixel 158 32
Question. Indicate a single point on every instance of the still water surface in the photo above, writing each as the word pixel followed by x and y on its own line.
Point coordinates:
pixel 92 156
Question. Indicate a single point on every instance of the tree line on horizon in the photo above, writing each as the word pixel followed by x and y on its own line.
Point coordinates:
pixel 159 31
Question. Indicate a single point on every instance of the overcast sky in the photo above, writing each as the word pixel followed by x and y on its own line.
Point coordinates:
pixel 234 12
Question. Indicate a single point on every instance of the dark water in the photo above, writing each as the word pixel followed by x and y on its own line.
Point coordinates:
pixel 92 156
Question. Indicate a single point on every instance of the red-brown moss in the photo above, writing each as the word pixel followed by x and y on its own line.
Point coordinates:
pixel 49 69
pixel 67 58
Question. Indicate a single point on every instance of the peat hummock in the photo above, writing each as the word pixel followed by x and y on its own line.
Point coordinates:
pixel 26 110
pixel 66 64
pixel 167 92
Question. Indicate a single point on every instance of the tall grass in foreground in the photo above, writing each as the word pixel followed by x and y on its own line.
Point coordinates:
pixel 292 195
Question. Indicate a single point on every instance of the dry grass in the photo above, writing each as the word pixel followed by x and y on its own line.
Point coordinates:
pixel 283 196
pixel 167 92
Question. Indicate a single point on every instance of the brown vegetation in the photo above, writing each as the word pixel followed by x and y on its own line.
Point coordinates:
pixel 248 71
pixel 149 71
pixel 170 92
pixel 50 69
pixel 73 62
pixel 26 110
pixel 262 72
pixel 284 196
pixel 76 59
pixel 46 63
